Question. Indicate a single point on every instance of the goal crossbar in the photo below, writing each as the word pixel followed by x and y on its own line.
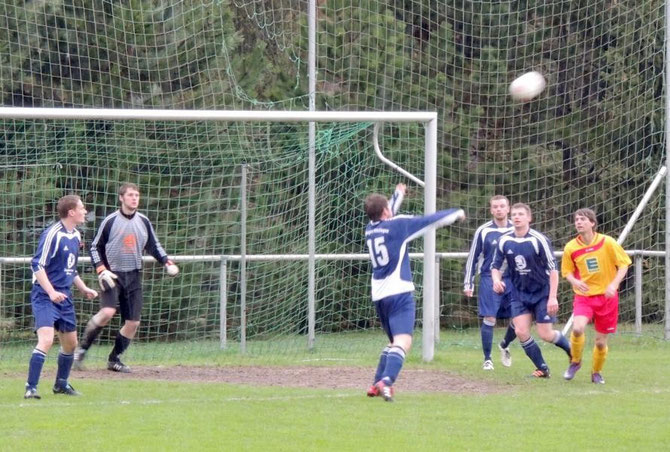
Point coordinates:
pixel 213 115
pixel 428 119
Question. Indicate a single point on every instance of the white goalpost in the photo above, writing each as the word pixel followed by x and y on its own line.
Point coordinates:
pixel 427 119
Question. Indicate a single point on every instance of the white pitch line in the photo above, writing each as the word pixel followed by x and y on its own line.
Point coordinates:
pixel 48 404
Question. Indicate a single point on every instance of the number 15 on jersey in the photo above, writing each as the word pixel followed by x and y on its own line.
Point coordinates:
pixel 378 252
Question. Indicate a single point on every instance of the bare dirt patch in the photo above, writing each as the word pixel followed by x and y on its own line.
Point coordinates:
pixel 411 380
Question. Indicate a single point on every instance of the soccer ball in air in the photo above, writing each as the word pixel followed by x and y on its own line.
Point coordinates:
pixel 527 86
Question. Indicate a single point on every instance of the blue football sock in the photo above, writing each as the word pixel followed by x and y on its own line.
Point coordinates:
pixel 562 342
pixel 487 338
pixel 35 367
pixel 510 335
pixel 394 362
pixel 64 366
pixel 534 353
pixel 382 364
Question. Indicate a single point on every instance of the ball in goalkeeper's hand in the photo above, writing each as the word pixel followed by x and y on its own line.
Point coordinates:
pixel 527 86
pixel 171 269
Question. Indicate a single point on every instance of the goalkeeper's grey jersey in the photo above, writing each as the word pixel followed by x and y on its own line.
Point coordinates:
pixel 121 241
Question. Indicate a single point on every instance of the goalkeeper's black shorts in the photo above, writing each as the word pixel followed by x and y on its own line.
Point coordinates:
pixel 126 297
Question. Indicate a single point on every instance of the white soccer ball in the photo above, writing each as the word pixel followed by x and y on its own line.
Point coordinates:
pixel 172 270
pixel 527 86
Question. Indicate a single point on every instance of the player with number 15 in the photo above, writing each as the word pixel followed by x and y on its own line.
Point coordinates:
pixel 387 236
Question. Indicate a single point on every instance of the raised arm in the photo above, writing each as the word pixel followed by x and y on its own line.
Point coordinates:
pixel 418 226
pixel 397 198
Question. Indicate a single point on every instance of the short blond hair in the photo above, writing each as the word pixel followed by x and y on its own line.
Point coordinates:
pixel 520 205
pixel 499 198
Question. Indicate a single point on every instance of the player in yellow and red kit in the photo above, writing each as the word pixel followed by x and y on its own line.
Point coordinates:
pixel 595 264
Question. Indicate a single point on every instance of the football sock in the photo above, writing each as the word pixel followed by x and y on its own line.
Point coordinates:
pixel 487 338
pixel 534 353
pixel 64 366
pixel 561 342
pixel 599 357
pixel 510 335
pixel 394 362
pixel 120 345
pixel 35 367
pixel 577 346
pixel 91 333
pixel 382 364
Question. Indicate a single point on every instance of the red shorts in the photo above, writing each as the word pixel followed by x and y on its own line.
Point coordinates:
pixel 603 312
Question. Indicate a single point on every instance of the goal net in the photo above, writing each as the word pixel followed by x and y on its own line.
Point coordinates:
pixel 593 138
pixel 229 202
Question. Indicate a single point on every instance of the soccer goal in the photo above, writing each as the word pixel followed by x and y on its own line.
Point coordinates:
pixel 267 224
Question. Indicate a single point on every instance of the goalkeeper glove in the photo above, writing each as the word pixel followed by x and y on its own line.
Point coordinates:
pixel 106 279
pixel 171 268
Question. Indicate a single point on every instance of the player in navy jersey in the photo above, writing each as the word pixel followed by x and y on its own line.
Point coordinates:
pixel 534 278
pixel 491 305
pixel 387 237
pixel 54 269
pixel 116 254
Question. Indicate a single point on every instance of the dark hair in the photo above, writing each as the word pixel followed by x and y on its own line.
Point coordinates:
pixel 375 205
pixel 589 214
pixel 128 186
pixel 67 203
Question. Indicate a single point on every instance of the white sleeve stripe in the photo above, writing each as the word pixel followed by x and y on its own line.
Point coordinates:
pixel 396 200
pixel 545 245
pixel 399 217
pixel 96 239
pixel 444 221
pixel 471 256
pixel 47 244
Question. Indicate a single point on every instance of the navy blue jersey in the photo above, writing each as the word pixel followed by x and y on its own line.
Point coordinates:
pixel 530 260
pixel 482 250
pixel 387 244
pixel 57 254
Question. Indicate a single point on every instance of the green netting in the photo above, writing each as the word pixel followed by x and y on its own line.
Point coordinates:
pixel 594 138
pixel 191 180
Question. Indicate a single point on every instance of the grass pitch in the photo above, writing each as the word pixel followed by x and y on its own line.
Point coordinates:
pixel 629 412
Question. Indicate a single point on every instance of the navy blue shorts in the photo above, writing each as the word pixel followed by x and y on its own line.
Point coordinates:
pixel 397 314
pixel 534 303
pixel 59 316
pixel 493 304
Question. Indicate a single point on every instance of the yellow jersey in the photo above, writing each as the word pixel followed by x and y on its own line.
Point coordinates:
pixel 595 263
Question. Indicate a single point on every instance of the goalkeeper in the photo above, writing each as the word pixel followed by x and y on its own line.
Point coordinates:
pixel 387 237
pixel 116 255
